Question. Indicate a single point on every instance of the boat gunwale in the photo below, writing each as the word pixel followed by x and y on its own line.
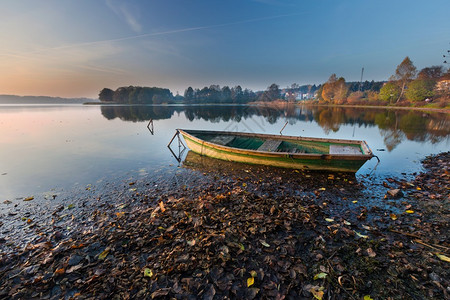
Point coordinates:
pixel 362 144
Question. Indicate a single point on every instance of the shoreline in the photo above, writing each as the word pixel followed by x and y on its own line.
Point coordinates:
pixel 283 103
pixel 278 103
pixel 246 234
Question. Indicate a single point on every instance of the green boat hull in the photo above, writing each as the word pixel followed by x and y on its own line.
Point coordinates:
pixel 350 163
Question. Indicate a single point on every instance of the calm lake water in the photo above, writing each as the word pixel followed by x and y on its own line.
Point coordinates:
pixel 46 149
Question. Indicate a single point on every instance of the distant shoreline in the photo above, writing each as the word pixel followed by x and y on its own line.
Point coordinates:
pixel 31 100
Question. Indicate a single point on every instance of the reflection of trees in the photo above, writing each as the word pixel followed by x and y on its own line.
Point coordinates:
pixel 394 125
pixel 414 126
pixel 135 113
pixel 392 138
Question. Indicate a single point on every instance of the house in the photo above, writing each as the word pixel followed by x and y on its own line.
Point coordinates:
pixel 443 86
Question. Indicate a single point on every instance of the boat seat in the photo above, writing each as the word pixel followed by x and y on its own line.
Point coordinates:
pixel 338 149
pixel 222 139
pixel 270 145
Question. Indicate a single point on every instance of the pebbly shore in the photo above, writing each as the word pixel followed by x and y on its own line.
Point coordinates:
pixel 245 233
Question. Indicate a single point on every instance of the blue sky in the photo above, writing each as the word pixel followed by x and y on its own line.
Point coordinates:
pixel 74 48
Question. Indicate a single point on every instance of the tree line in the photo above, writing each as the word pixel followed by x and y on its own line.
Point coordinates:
pixel 136 95
pixel 404 87
pixel 216 94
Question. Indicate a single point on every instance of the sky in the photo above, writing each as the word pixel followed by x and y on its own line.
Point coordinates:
pixel 75 48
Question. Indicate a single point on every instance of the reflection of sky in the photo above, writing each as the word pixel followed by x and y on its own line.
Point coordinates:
pixel 60 147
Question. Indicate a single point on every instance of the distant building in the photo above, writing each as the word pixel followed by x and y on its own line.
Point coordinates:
pixel 443 86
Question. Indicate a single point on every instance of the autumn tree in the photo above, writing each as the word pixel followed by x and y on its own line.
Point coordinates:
pixel 434 73
pixel 335 90
pixel 328 89
pixel 404 73
pixel 340 91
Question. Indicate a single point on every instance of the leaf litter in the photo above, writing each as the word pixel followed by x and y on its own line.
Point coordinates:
pixel 271 238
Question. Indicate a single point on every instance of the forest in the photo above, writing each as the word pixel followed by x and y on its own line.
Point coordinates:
pixel 404 88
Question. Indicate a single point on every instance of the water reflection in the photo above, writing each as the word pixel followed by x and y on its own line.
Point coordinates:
pixel 395 125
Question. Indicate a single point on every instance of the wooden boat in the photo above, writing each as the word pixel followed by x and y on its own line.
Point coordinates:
pixel 279 151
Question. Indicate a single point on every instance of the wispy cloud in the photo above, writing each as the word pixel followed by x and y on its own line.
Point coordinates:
pixel 153 34
pixel 126 13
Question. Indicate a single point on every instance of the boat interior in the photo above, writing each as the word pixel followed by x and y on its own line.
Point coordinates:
pixel 280 145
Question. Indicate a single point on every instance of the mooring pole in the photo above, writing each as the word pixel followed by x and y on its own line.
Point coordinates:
pixel 283 128
pixel 150 126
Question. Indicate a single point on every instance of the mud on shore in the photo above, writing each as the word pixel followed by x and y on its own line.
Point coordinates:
pixel 249 233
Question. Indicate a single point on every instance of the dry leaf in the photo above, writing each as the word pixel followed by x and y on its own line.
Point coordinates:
pixel 250 281
pixel 320 276
pixel 264 243
pixel 371 253
pixel 161 205
pixel 443 257
pixel 361 235
pixel 148 272
pixel 317 292
pixel 103 255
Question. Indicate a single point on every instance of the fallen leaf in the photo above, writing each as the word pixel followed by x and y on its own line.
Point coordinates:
pixel 320 276
pixel 443 257
pixel 148 272
pixel 361 235
pixel 70 206
pixel 77 246
pixel 103 255
pixel 329 220
pixel 120 214
pixel 253 273
pixel 264 243
pixel 409 211
pixel 371 253
pixel 317 293
pixel 191 243
pixel 60 271
pixel 354 201
pixel 367 297
pixel 250 281
pixel 161 205
pixel 393 216
pixel 28 198
pixel 347 223
pixel 322 189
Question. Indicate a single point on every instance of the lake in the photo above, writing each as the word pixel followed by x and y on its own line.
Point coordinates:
pixel 48 149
